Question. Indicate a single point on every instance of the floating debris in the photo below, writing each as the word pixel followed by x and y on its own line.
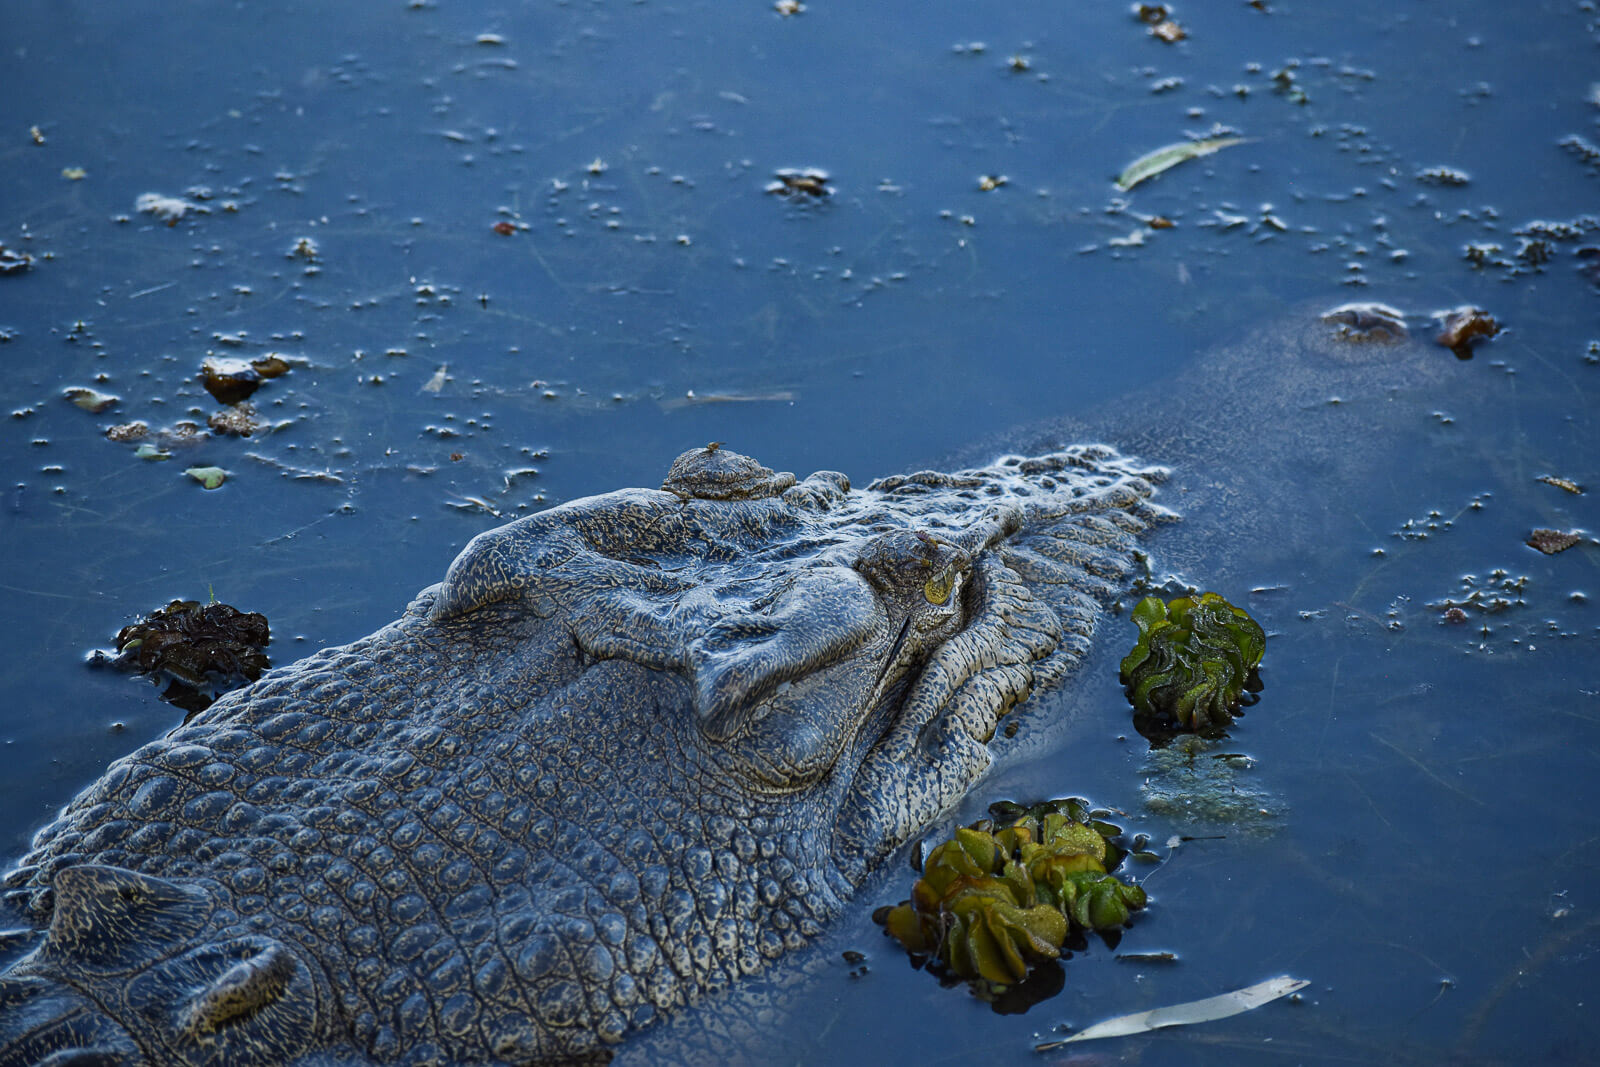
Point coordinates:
pixel 238 420
pixel 168 209
pixel 1498 591
pixel 504 228
pixel 91 400
pixel 1284 82
pixel 231 381
pixel 789 7
pixel 493 39
pixel 1561 483
pixel 205 651
pixel 1162 159
pixel 1552 541
pixel 179 435
pixel 1584 150
pixel 1463 326
pixel 128 432
pixel 208 477
pixel 14 262
pixel 1442 176
pixel 435 384
pixel 305 248
pixel 1195 1011
pixel 1361 322
pixel 74 174
pixel 801 182
pixel 990 182
pixel 1159 19
pixel 692 398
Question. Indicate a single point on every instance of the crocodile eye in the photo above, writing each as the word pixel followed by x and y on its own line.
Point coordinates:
pixel 937 589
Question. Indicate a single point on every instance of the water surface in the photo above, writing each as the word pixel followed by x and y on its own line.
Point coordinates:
pixel 1426 859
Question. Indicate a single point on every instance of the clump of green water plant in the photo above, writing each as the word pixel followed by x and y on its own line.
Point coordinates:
pixel 1195 659
pixel 992 902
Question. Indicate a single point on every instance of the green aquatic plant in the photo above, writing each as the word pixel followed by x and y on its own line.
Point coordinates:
pixel 1194 659
pixel 993 902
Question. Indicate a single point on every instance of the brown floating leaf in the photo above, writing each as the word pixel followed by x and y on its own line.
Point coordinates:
pixel 1561 483
pixel 1552 541
pixel 1463 326
pixel 270 365
pixel 229 381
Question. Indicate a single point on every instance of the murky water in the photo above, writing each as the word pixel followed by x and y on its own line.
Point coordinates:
pixel 1426 856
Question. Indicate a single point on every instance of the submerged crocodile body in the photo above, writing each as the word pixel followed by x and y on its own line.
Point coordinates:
pixel 629 750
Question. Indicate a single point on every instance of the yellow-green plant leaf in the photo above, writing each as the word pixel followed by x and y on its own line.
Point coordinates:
pixel 209 477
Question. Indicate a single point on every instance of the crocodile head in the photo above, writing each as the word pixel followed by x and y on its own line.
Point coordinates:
pixel 628 750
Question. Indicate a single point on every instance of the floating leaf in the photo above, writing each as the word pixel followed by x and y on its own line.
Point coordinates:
pixel 209 477
pixel 1153 163
pixel 1194 1011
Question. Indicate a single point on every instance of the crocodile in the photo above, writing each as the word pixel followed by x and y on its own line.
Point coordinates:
pixel 629 750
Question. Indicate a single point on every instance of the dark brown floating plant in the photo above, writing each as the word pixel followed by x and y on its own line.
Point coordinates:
pixel 230 381
pixel 206 650
pixel 1552 541
pixel 1463 326
pixel 801 182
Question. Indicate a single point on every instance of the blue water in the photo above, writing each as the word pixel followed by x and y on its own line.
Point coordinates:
pixel 1427 858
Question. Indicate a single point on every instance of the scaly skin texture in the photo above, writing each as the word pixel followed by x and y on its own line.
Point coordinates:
pixel 629 750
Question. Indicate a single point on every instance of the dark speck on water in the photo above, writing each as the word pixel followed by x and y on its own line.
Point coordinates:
pixel 551 237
